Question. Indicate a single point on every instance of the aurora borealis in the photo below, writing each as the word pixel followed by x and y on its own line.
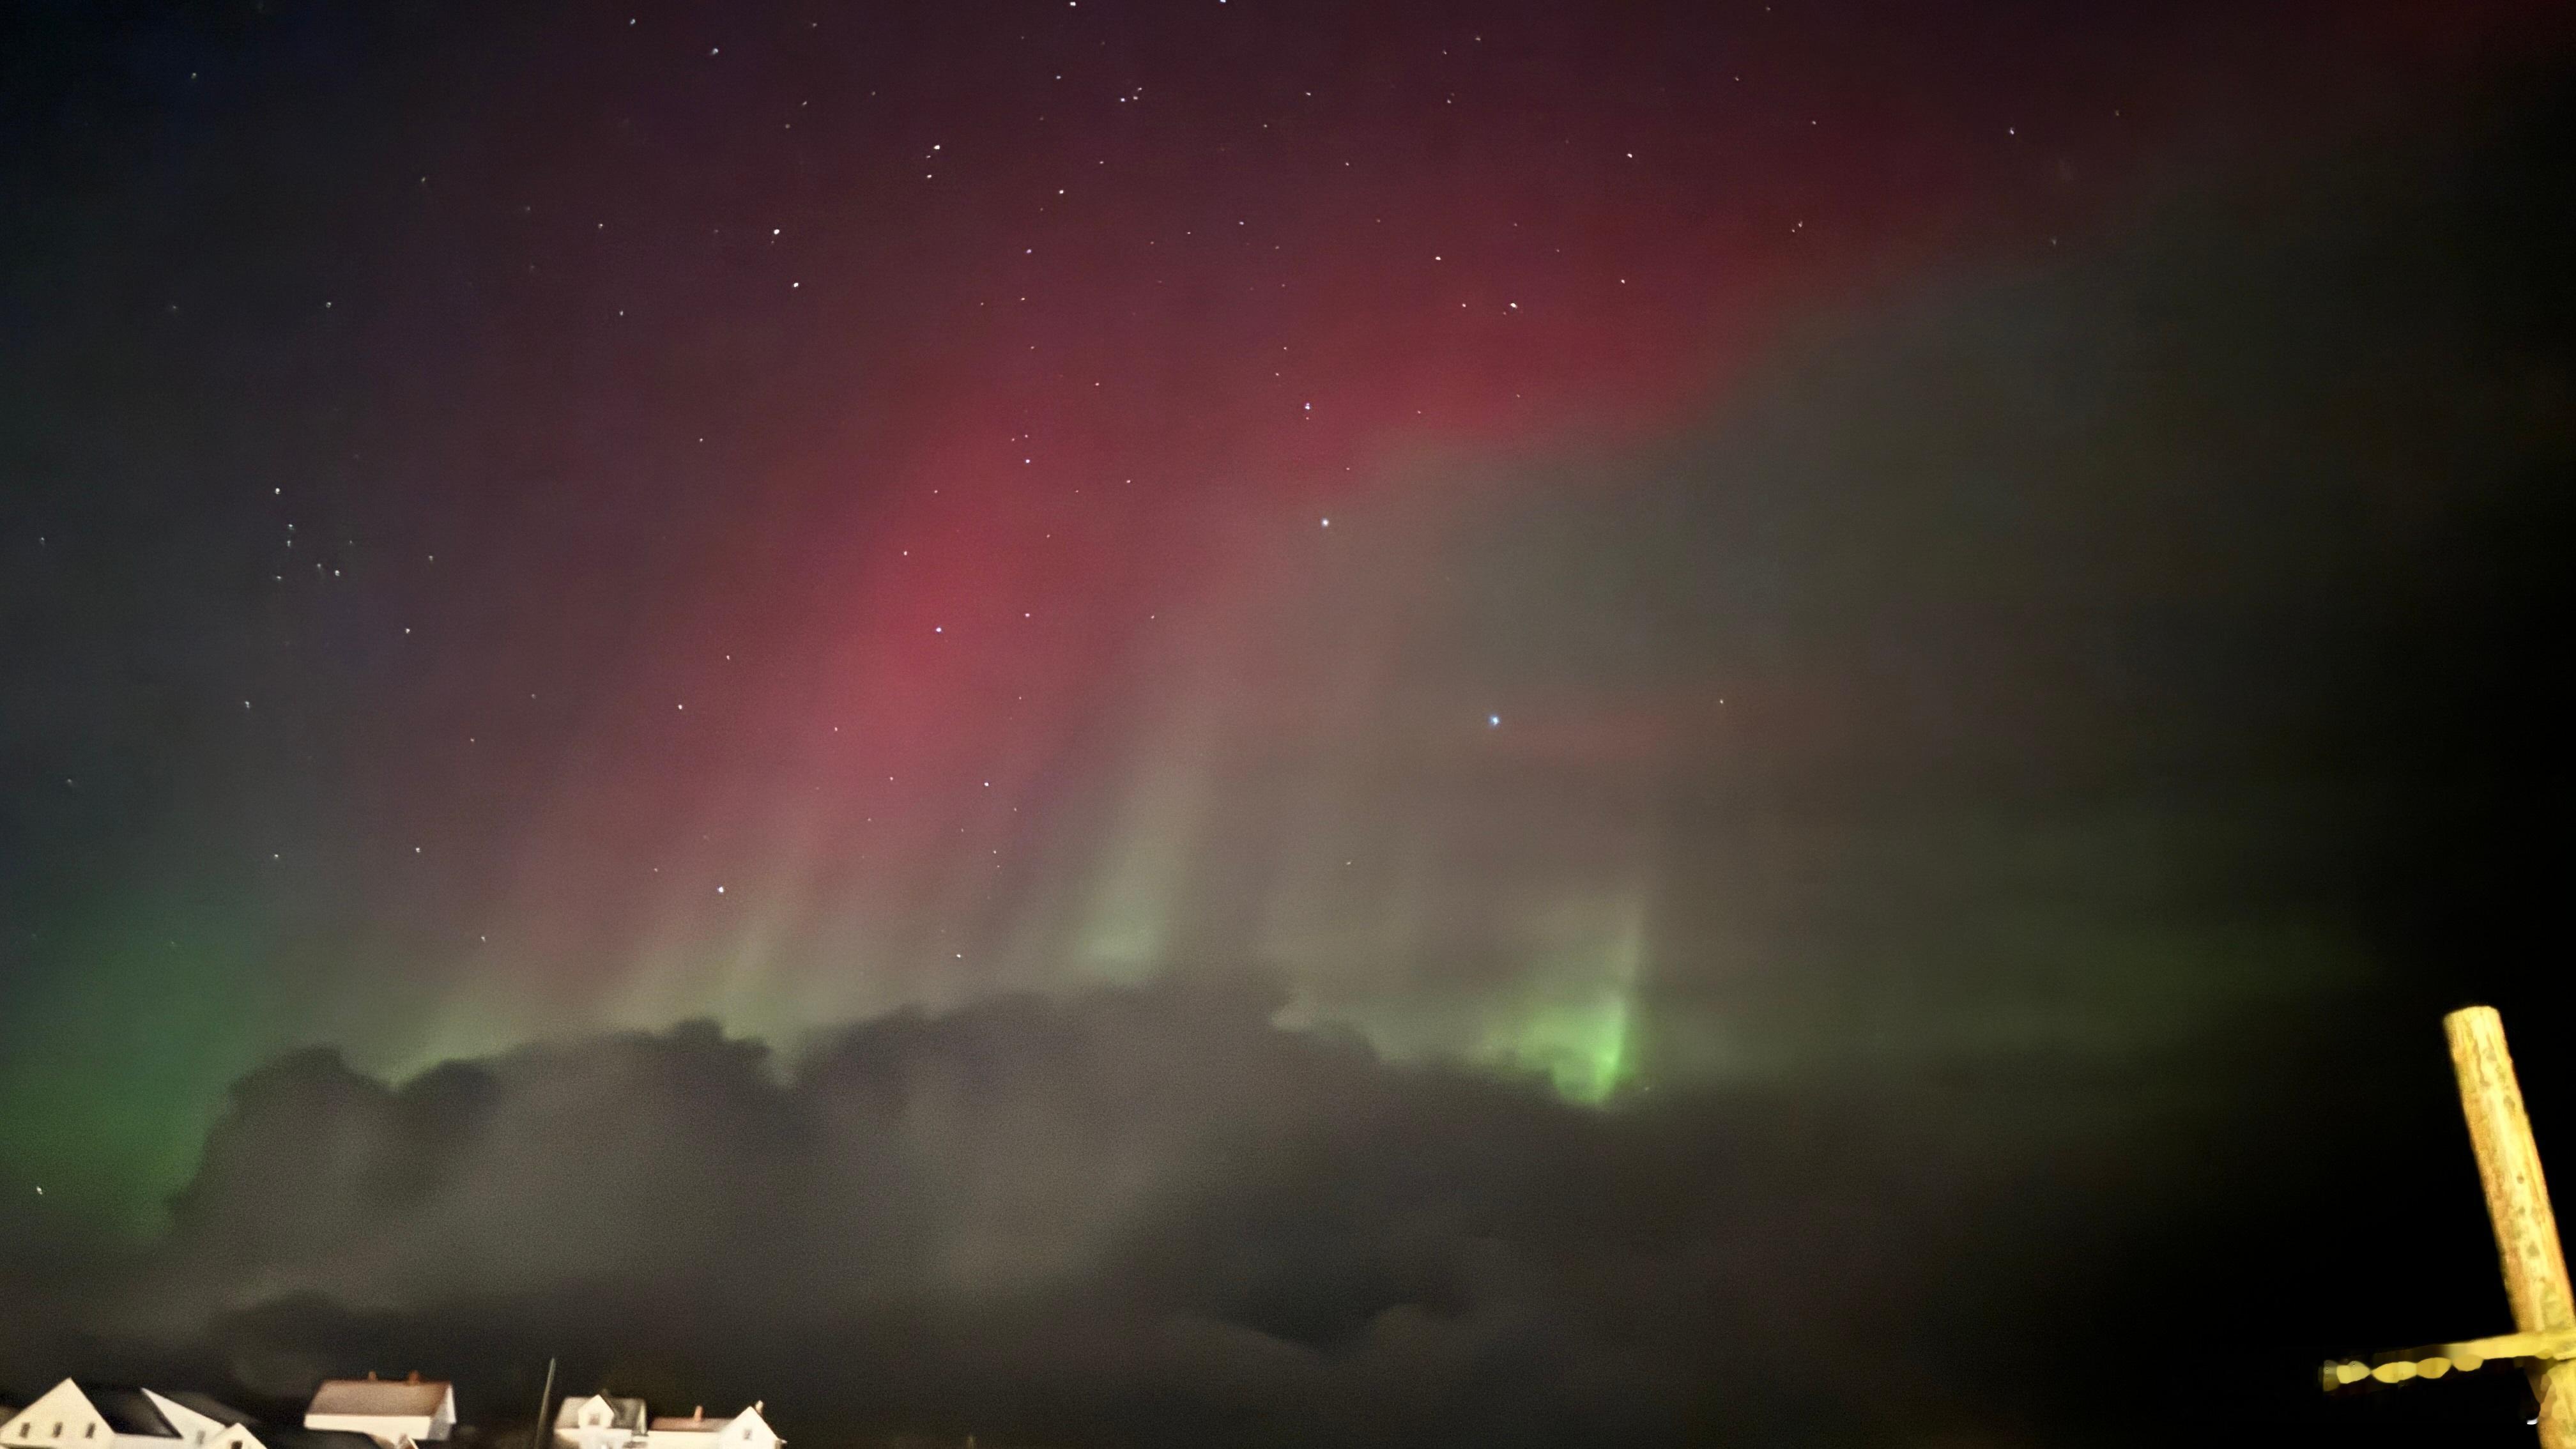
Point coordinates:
pixel 1627 575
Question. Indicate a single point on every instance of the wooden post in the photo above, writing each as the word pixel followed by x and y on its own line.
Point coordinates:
pixel 537 1435
pixel 2535 1267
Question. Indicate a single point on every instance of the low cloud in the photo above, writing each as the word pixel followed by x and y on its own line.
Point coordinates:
pixel 1133 1216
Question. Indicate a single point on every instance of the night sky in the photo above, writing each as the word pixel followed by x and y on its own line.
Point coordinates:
pixel 1259 723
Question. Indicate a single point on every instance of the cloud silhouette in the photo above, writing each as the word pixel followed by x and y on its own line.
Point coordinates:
pixel 1135 1216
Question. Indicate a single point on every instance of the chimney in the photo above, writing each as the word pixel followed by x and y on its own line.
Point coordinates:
pixel 756 1403
pixel 698 1411
pixel 371 1376
pixel 415 1377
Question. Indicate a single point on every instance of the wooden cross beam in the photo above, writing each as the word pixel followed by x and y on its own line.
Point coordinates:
pixel 2535 1268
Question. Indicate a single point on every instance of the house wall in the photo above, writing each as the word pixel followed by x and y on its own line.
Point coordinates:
pixel 746 1430
pixel 59 1416
pixel 82 1427
pixel 591 1424
pixel 391 1428
pixel 383 1429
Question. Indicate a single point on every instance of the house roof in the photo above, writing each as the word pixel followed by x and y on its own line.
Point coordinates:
pixel 210 1406
pixel 126 1410
pixel 701 1422
pixel 294 1438
pixel 379 1398
pixel 622 1413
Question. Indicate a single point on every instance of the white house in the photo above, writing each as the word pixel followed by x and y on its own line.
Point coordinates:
pixel 393 1414
pixel 90 1416
pixel 195 1418
pixel 746 1430
pixel 600 1422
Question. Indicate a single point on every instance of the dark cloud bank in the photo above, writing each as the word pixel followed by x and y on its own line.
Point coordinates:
pixel 2257 525
pixel 1139 1217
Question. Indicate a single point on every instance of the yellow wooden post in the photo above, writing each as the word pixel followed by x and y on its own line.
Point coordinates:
pixel 2535 1266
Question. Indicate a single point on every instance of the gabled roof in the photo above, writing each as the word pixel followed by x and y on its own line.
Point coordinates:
pixel 703 1422
pixel 127 1410
pixel 210 1406
pixel 379 1398
pixel 290 1436
pixel 313 1439
pixel 622 1413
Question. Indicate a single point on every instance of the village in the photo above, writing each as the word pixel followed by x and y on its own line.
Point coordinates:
pixel 362 1413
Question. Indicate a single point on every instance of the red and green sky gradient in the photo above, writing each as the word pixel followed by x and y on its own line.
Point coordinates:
pixel 779 513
